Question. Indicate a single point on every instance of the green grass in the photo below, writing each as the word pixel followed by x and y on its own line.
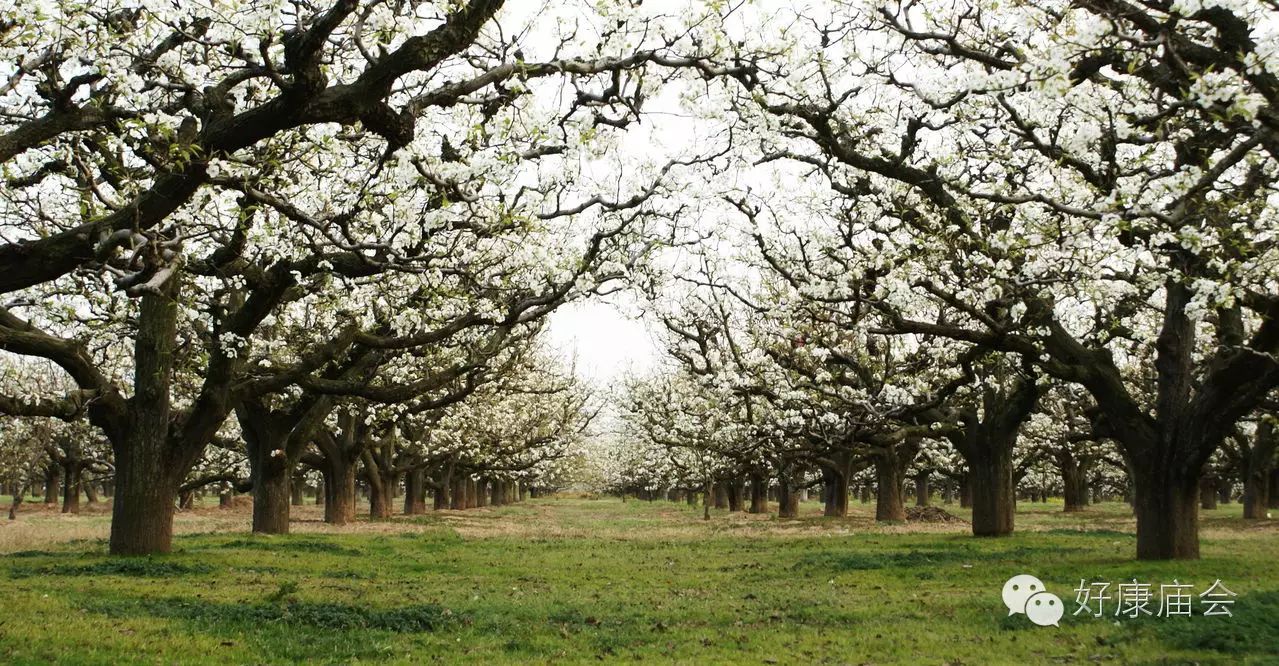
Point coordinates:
pixel 579 581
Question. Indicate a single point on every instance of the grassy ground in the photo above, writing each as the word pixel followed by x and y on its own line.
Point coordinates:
pixel 574 580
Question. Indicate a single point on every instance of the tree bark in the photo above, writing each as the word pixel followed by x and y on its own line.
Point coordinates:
pixel 52 481
pixel 71 482
pixel 339 491
pixel 265 440
pixel 1074 483
pixel 986 444
pixel 922 491
pixel 142 510
pixel 1208 493
pixel 415 491
pixel 990 477
pixel 443 483
pixel 787 495
pixel 271 497
pixel 889 478
pixel 297 490
pixel 17 502
pixel 472 498
pixel 457 496
pixel 1258 463
pixel 759 493
pixel 1167 509
pixel 835 484
pixel 734 489
pixel 146 477
pixel 380 495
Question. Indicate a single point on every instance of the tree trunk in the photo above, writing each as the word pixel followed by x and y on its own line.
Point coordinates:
pixel 90 490
pixel 837 501
pixel 1224 489
pixel 415 491
pixel 965 492
pixel 1167 510
pixel 457 496
pixel 948 492
pixel 922 491
pixel 270 470
pixel 146 485
pixel 1208 493
pixel 380 497
pixel 835 492
pixel 17 502
pixel 1273 501
pixel 787 497
pixel 52 479
pixel 1256 474
pixel 142 512
pixel 271 495
pixel 990 479
pixel 297 490
pixel 889 477
pixel 734 488
pixel 1074 485
pixel 339 492
pixel 721 495
pixel 759 493
pixel 320 491
pixel 71 488
pixel 486 490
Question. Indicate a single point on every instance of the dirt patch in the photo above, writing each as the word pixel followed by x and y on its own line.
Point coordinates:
pixel 931 514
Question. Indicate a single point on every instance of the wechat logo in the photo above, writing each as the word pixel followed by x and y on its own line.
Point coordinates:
pixel 1024 593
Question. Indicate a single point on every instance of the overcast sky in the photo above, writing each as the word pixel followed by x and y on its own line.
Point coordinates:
pixel 606 341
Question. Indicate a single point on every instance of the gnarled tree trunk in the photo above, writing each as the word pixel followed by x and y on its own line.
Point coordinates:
pixel 787 494
pixel 889 481
pixel 146 477
pixel 986 444
pixel 1258 462
pixel 759 493
pixel 1166 504
pixel 71 483
pixel 415 491
pixel 1208 493
pixel 922 490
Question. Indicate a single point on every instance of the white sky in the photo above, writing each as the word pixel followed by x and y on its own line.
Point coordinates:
pixel 606 342
pixel 604 336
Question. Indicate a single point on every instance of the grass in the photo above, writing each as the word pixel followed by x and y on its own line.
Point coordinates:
pixel 578 581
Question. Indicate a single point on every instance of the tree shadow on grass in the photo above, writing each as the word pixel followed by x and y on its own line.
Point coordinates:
pixel 131 567
pixel 1251 630
pixel 287 629
pixel 292 545
pixel 920 557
